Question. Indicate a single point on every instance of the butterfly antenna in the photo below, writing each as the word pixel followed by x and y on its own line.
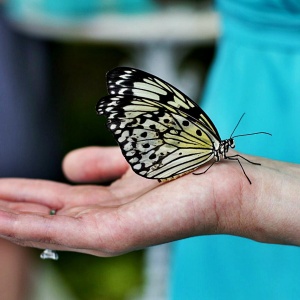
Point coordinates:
pixel 260 132
pixel 236 126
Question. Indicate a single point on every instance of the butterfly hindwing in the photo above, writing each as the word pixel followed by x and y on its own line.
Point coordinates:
pixel 157 140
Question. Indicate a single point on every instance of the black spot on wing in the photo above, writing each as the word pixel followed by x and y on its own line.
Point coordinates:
pixel 199 132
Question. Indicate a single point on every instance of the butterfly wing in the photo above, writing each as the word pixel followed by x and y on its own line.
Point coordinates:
pixel 158 140
pixel 134 82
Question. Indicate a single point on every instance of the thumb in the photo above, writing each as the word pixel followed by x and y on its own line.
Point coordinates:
pixel 94 164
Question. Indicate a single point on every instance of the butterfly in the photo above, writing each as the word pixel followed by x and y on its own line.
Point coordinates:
pixel 162 133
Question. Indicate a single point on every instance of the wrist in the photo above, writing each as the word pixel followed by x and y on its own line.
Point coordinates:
pixel 268 211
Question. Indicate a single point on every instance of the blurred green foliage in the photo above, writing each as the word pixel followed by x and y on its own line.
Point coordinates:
pixel 78 73
pixel 95 278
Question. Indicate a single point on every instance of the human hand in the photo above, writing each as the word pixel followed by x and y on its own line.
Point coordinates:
pixel 134 212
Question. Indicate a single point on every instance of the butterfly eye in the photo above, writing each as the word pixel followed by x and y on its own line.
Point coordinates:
pixel 232 143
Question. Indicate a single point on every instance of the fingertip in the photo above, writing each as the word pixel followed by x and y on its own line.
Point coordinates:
pixel 69 164
pixel 94 164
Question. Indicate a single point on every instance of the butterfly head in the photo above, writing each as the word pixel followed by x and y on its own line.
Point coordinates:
pixel 224 147
pixel 231 143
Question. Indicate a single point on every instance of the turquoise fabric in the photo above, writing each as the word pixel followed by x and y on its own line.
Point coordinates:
pixel 256 71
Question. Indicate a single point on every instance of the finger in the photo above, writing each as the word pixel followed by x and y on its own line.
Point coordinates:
pixel 94 164
pixel 47 193
pixel 58 232
pixel 23 207
pixel 37 231
pixel 53 195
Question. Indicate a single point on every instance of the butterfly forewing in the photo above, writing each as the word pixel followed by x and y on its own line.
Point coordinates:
pixel 133 82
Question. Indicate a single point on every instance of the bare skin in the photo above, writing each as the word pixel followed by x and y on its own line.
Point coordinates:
pixel 134 212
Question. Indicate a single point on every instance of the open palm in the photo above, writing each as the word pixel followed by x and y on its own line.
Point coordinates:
pixel 132 212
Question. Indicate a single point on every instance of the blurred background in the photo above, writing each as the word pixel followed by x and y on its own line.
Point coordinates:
pixel 53 58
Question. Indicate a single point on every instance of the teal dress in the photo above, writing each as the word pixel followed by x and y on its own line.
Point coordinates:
pixel 256 71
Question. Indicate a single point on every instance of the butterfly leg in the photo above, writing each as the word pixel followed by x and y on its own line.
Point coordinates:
pixel 236 158
pixel 205 170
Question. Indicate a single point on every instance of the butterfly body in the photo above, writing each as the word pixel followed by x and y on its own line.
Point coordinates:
pixel 162 133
